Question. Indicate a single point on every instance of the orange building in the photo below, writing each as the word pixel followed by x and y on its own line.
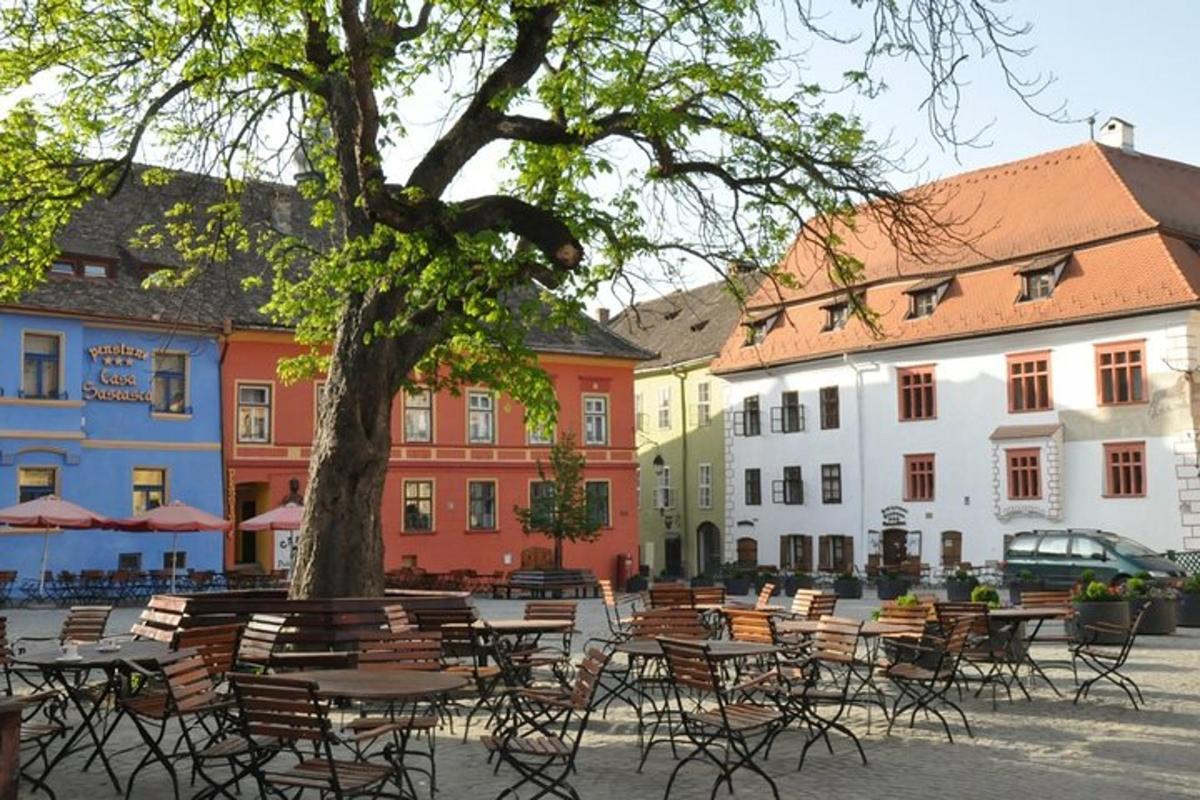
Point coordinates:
pixel 459 464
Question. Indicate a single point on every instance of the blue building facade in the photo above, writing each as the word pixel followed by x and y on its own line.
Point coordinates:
pixel 117 416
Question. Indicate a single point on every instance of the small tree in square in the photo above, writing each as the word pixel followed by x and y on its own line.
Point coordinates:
pixel 560 508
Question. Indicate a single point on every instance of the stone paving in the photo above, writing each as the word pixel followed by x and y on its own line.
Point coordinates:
pixel 1048 749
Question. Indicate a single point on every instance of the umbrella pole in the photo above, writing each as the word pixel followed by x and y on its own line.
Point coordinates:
pixel 174 566
pixel 45 555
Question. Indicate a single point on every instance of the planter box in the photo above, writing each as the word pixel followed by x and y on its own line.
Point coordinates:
pixel 1188 612
pixel 636 584
pixel 794 583
pixel 891 588
pixel 1160 618
pixel 1111 612
pixel 702 580
pixel 847 588
pixel 1016 587
pixel 959 591
pixel 737 587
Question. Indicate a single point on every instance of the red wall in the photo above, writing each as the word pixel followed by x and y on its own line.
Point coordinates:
pixel 449 461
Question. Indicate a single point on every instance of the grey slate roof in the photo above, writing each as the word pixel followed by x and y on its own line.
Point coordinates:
pixel 684 326
pixel 108 228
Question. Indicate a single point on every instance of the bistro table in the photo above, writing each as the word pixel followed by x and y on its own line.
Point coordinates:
pixel 870 629
pixel 71 675
pixel 380 685
pixel 517 627
pixel 1015 615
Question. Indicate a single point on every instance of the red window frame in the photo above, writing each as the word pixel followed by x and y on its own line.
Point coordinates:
pixel 1125 469
pixel 917 392
pixel 1125 363
pixel 1024 473
pixel 918 477
pixel 1029 377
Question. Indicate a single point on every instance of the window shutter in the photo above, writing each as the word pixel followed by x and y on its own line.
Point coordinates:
pixel 785 552
pixel 825 554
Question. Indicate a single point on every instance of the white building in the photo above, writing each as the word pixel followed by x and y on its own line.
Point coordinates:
pixel 1034 370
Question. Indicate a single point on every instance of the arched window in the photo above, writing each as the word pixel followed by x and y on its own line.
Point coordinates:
pixel 747 551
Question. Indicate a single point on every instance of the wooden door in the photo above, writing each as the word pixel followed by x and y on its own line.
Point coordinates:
pixel 951 549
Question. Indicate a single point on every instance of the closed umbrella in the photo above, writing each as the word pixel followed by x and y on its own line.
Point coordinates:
pixel 175 518
pixel 50 513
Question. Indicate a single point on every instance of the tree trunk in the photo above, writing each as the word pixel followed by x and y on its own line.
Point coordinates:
pixel 558 548
pixel 340 548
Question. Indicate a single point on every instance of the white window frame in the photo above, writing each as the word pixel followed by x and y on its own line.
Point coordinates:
pixel 481 405
pixel 703 403
pixel 664 407
pixel 663 495
pixel 704 485
pixel 268 407
pixel 427 410
pixel 593 416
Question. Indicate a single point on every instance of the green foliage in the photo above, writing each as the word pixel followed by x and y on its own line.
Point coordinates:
pixel 1087 576
pixel 986 594
pixel 1192 585
pixel 961 574
pixel 1097 592
pixel 565 513
pixel 907 600
pixel 1136 588
pixel 1025 575
pixel 848 576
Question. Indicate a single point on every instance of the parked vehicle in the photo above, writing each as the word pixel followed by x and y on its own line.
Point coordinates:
pixel 1058 558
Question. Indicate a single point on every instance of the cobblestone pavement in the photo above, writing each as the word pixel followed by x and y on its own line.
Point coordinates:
pixel 1048 748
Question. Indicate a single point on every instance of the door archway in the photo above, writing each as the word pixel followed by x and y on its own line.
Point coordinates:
pixel 710 550
pixel 895 547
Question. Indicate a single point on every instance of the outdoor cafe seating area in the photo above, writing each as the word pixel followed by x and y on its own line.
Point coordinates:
pixel 212 695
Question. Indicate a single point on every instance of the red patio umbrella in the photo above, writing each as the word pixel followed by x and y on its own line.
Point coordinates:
pixel 173 518
pixel 284 518
pixel 49 513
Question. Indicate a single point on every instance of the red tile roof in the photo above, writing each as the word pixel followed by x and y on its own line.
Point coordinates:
pixel 1126 218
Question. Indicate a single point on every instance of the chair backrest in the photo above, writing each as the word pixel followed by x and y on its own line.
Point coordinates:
pixel 563 610
pixel 4 651
pixel 708 595
pixel 412 650
pixel 217 645
pixel 764 596
pixel 671 595
pixel 975 613
pixel 606 592
pixel 85 624
pixel 823 605
pixel 398 620
pixel 749 626
pixel 911 618
pixel 454 625
pixel 689 665
pixel 259 638
pixel 8 576
pixel 190 683
pixel 587 678
pixel 279 708
pixel 1040 599
pixel 680 623
pixel 160 619
pixel 836 640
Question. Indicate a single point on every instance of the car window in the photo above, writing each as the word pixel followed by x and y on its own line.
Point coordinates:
pixel 1022 545
pixel 1085 547
pixel 1128 547
pixel 1053 546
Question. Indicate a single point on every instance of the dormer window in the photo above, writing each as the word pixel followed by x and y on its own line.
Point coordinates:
pixel 758 326
pixel 82 267
pixel 1040 276
pixel 924 296
pixel 836 316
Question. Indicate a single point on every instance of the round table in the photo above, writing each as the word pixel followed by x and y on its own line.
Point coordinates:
pixel 650 648
pixel 90 657
pixel 1029 613
pixel 518 626
pixel 380 684
pixel 870 628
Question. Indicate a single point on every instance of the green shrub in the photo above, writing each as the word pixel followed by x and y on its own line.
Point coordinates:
pixel 1192 585
pixel 1087 576
pixel 1097 592
pixel 986 594
pixel 908 600
pixel 1025 575
pixel 1136 588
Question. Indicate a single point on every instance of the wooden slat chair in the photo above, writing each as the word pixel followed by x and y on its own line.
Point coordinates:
pixel 159 620
pixel 990 652
pixel 913 620
pixel 813 604
pixel 618 625
pixel 398 620
pixel 555 657
pixel 487 679
pixel 43 723
pixel 710 715
pixel 1107 662
pixel 746 625
pixel 678 623
pixel 540 739
pixel 217 644
pixel 258 641
pixel 455 626
pixel 85 624
pixel 764 596
pixel 290 713
pixel 671 595
pixel 926 689
pixel 1052 598
pixel 708 595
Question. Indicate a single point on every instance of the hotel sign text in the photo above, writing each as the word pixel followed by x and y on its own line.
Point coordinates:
pixel 116 382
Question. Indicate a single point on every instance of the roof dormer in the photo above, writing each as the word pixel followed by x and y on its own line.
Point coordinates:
pixel 924 296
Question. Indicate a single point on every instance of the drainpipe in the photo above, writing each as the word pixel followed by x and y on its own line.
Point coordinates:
pixel 859 369
pixel 228 555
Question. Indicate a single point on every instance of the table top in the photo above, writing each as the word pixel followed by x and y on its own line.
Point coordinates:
pixel 380 684
pixel 1030 612
pixel 518 625
pixel 139 652
pixel 717 648
pixel 870 628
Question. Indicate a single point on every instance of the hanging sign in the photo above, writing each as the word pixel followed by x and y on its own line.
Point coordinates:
pixel 116 382
pixel 894 516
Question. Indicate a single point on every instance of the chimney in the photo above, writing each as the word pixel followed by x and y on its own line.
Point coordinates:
pixel 1117 133
pixel 603 315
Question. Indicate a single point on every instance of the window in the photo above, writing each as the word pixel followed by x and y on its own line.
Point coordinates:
pixel 836 316
pixel 35 482
pixel 704 485
pixel 754 487
pixel 541 503
pixel 254 413
pixel 481 496
pixel 539 434
pixel 831 484
pixel 1024 474
pixel 597 502
pixel 917 399
pixel 1087 548
pixel 1125 465
pixel 81 267
pixel 1029 382
pixel 149 489
pixel 703 403
pixel 790 490
pixel 41 370
pixel 918 477
pixel 418 416
pixel 170 383
pixel 639 415
pixel 174 559
pixel 921 304
pixel 747 551
pixel 62 268
pixel 595 420
pixel 1038 284
pixel 791 413
pixel 663 496
pixel 1053 545
pixel 481 418
pixel 1120 373
pixel 664 406
pixel 830 408
pixel 129 561
pixel 749 423
pixel 418 506
pixel 757 330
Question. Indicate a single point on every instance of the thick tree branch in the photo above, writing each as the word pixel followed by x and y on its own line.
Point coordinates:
pixel 537 226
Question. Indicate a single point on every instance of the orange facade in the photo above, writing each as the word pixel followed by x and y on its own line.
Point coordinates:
pixel 429 519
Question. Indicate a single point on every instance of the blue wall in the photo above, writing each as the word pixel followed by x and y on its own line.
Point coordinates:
pixel 96 443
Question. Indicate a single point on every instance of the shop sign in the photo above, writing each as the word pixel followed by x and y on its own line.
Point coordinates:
pixel 117 381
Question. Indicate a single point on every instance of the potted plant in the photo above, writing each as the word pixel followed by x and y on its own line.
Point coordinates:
pixel 847 586
pixel 891 585
pixel 1159 602
pixel 1188 613
pixel 1024 582
pixel 1099 602
pixel 960 585
pixel 908 600
pixel 703 579
pixel 985 594
pixel 797 581
pixel 737 579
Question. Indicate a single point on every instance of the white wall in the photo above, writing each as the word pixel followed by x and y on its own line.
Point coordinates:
pixel 971 404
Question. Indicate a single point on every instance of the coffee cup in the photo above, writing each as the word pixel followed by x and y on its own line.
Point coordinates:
pixel 69 650
pixel 109 643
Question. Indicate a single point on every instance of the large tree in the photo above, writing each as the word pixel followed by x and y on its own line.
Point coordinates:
pixel 632 132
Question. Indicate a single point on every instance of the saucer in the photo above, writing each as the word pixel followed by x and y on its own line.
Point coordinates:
pixel 69 658
pixel 114 649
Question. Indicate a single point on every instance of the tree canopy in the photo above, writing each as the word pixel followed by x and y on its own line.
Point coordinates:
pixel 561 508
